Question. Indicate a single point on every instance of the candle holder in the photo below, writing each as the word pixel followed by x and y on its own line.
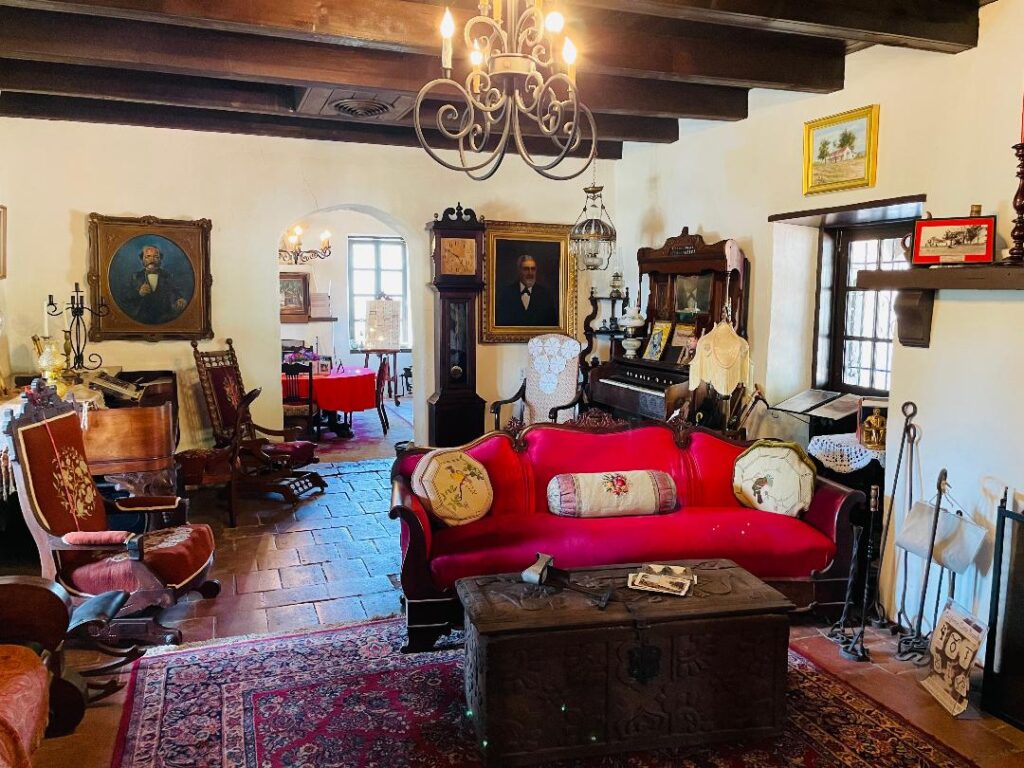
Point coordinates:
pixel 76 335
pixel 1016 257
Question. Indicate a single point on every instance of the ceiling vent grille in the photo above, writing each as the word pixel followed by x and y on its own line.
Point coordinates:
pixel 361 108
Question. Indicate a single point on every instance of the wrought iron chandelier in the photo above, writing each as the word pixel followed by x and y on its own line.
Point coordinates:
pixel 522 80
pixel 592 237
pixel 292 251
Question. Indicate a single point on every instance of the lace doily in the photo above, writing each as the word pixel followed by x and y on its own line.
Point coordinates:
pixel 843 453
pixel 550 354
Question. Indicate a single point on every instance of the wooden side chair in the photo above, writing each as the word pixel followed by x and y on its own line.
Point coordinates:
pixel 298 397
pixel 263 466
pixel 552 381
pixel 67 517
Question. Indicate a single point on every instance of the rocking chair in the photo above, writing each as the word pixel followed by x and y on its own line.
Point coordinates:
pixel 67 517
pixel 269 467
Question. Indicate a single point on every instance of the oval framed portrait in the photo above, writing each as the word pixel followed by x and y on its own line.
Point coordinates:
pixel 149 278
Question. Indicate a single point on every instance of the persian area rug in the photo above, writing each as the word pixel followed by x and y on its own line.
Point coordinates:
pixel 347 698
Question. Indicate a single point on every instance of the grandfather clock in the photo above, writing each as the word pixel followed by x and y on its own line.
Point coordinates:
pixel 455 411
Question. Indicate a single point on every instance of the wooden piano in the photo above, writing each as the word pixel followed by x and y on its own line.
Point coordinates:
pixel 692 286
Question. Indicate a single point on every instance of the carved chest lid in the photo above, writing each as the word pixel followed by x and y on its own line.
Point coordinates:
pixel 504 604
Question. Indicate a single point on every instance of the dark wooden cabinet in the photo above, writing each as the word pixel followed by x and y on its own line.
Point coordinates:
pixel 455 412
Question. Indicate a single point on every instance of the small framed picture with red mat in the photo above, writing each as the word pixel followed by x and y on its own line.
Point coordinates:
pixel 954 241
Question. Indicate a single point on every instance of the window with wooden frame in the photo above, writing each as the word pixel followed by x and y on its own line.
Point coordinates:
pixel 376 266
pixel 856 326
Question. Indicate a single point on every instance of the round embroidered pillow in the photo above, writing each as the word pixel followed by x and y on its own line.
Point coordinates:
pixel 774 476
pixel 453 486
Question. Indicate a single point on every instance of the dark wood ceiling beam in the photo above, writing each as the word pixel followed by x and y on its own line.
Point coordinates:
pixel 67 39
pixel 27 105
pixel 948 26
pixel 776 61
pixel 238 96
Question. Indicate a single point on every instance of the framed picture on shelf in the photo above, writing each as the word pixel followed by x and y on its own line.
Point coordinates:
pixel 529 282
pixel 153 275
pixel 294 291
pixel 684 342
pixel 841 151
pixel 969 240
pixel 661 332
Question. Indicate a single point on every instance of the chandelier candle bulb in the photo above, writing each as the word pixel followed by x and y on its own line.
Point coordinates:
pixel 554 22
pixel 569 55
pixel 447 30
pixel 325 238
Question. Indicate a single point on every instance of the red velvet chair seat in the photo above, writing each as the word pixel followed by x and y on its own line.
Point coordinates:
pixel 299 452
pixel 767 545
pixel 24 704
pixel 175 555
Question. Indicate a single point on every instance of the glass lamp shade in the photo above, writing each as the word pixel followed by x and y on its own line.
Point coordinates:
pixel 592 238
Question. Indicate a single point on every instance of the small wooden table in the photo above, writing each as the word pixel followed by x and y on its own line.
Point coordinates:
pixel 550 676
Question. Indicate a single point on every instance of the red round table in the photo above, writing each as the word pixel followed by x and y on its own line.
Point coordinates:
pixel 353 389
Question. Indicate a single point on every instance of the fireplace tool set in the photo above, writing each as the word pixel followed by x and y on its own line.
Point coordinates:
pixel 929 531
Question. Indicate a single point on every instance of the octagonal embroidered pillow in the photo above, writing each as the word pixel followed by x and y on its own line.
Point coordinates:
pixel 453 486
pixel 774 476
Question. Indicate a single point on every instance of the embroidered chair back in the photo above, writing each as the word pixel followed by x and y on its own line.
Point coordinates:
pixel 552 377
pixel 221 381
pixel 55 487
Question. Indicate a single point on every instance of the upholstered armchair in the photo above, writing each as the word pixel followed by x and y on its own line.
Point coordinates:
pixel 551 388
pixel 67 517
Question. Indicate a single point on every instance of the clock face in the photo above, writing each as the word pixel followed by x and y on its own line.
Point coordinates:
pixel 458 256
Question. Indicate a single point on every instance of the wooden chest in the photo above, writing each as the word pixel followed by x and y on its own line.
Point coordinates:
pixel 548 675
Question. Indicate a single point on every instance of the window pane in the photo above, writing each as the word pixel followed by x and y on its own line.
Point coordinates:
pixel 860 313
pixel 392 255
pixel 883 365
pixel 392 283
pixel 364 256
pixel 863 255
pixel 857 364
pixel 885 323
pixel 364 281
pixel 358 333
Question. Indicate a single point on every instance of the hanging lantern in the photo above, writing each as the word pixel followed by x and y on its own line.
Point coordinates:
pixel 592 238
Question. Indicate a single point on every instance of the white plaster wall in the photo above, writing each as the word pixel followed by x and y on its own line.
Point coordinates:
pixel 53 174
pixel 724 180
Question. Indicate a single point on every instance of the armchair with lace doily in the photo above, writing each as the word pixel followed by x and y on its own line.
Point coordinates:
pixel 551 390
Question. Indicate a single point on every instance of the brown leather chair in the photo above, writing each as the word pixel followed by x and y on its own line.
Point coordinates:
pixel 67 517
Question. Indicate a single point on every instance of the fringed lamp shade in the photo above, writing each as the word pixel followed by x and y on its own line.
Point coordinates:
pixel 722 359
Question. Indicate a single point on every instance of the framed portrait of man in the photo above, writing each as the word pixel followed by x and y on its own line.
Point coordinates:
pixel 153 275
pixel 529 282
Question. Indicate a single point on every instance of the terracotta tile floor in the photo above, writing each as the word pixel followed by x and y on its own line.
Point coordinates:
pixel 333 559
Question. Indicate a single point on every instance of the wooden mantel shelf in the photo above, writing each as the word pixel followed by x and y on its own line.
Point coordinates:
pixel 917 288
pixel 970 278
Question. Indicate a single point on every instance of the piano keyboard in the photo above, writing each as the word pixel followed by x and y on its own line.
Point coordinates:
pixel 657 392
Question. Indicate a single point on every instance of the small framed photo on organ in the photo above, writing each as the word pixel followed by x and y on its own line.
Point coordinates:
pixel 970 240
pixel 661 333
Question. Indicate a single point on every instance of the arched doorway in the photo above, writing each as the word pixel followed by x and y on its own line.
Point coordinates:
pixel 369 257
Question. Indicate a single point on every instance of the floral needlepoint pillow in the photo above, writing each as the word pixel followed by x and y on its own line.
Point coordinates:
pixel 453 486
pixel 611 494
pixel 774 476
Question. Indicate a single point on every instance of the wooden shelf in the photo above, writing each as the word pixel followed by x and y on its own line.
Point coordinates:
pixel 968 278
pixel 292 319
pixel 917 286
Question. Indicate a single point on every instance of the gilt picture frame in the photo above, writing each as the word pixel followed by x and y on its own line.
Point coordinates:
pixel 153 276
pixel 841 151
pixel 294 296
pixel 527 260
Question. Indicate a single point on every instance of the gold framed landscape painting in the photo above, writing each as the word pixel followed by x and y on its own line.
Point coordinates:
pixel 841 151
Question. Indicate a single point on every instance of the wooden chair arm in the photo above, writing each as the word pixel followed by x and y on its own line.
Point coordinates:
pixel 496 405
pixel 132 546
pixel 553 413
pixel 288 433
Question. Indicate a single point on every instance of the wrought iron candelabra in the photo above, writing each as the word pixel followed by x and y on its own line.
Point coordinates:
pixel 76 335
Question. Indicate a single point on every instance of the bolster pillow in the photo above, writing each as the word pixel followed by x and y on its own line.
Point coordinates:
pixel 611 494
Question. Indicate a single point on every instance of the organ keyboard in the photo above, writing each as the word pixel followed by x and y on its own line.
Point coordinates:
pixel 639 389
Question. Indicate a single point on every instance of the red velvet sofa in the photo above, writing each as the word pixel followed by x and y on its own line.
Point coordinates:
pixel 806 558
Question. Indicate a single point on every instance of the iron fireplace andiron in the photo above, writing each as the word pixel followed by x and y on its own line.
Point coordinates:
pixel 544 573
